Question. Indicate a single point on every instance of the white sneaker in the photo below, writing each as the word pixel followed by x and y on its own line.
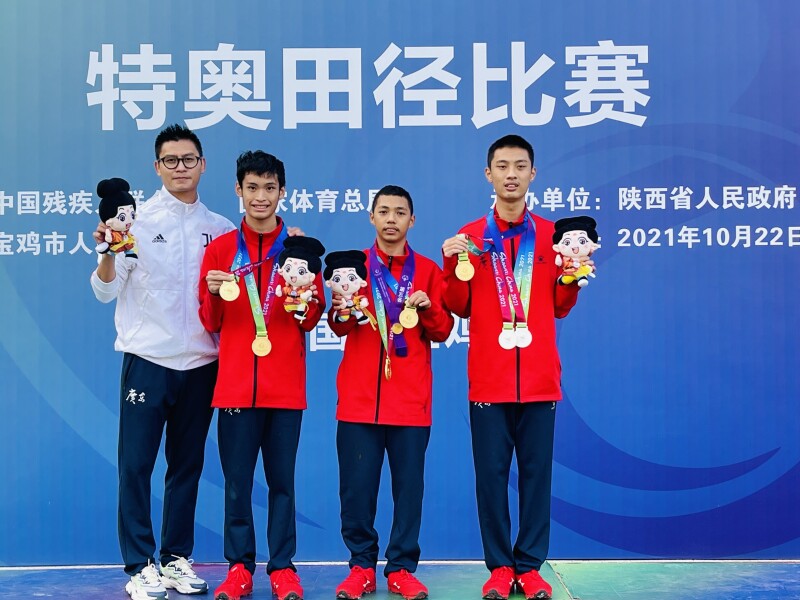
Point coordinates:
pixel 146 585
pixel 179 575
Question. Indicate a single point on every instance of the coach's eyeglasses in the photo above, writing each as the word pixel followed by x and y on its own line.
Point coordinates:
pixel 171 162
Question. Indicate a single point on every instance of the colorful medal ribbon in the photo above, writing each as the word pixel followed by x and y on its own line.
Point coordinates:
pixel 513 289
pixel 509 233
pixel 261 313
pixel 382 281
pixel 247 269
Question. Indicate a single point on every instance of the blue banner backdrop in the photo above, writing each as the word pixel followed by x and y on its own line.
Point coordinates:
pixel 674 124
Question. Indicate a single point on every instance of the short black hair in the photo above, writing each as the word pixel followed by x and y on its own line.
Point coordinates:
pixel 176 133
pixel 509 141
pixel 260 163
pixel 393 190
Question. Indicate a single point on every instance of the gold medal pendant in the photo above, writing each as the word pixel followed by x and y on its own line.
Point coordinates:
pixel 397 328
pixel 261 346
pixel 229 291
pixel 409 317
pixel 387 369
pixel 464 269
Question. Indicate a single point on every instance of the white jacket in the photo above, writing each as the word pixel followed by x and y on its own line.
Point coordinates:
pixel 157 300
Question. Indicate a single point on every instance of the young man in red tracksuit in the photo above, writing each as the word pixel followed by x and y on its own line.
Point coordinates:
pixel 261 387
pixel 500 272
pixel 384 396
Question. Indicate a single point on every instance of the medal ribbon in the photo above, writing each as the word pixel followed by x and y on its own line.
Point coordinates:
pixel 246 269
pixel 261 313
pixel 515 288
pixel 509 233
pixel 382 281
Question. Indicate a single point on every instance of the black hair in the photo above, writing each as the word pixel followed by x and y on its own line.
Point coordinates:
pixel 113 193
pixel 393 190
pixel 176 133
pixel 305 248
pixel 344 259
pixel 259 162
pixel 582 223
pixel 509 141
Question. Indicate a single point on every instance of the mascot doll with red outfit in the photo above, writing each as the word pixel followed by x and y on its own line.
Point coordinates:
pixel 117 210
pixel 346 274
pixel 574 240
pixel 299 264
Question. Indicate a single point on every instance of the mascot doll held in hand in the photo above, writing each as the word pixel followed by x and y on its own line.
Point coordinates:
pixel 346 274
pixel 299 264
pixel 118 211
pixel 574 240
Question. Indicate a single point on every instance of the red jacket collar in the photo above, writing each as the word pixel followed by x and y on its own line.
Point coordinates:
pixel 505 225
pixel 251 236
pixel 397 259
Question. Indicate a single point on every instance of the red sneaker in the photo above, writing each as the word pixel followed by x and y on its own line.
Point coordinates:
pixel 533 586
pixel 405 584
pixel 498 586
pixel 238 583
pixel 286 584
pixel 360 581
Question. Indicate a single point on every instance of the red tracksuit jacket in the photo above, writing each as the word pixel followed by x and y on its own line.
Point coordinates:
pixel 531 374
pixel 277 380
pixel 365 395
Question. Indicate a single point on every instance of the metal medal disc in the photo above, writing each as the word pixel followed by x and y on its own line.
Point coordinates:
pixel 523 337
pixel 464 270
pixel 409 317
pixel 507 339
pixel 387 369
pixel 397 329
pixel 229 290
pixel 261 346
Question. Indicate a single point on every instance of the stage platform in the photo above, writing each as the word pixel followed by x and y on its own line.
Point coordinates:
pixel 571 580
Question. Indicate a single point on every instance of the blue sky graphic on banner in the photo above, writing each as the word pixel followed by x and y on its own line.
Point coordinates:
pixel 673 124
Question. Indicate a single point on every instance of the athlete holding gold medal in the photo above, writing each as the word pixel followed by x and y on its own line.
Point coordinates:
pixel 261 388
pixel 500 272
pixel 384 390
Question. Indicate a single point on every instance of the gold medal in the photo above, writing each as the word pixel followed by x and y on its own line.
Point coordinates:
pixel 261 346
pixel 229 290
pixel 464 269
pixel 409 317
pixel 397 328
pixel 387 368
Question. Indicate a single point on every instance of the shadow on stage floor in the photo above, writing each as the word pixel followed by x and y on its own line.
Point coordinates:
pixel 571 580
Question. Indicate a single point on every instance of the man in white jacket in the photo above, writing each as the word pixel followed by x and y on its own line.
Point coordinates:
pixel 169 366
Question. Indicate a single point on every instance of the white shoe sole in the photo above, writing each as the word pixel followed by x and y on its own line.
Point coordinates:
pixel 181 589
pixel 136 594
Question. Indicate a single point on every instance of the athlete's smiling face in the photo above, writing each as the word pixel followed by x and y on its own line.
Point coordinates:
pixel 260 196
